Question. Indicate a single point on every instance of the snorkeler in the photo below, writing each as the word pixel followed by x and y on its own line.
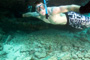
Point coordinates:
pixel 60 15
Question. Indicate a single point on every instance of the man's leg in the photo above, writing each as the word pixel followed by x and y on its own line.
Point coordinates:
pixel 85 9
pixel 78 21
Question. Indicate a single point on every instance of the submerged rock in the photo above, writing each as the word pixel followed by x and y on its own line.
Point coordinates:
pixel 40 55
pixel 2 53
pixel 53 58
pixel 65 48
pixel 87 55
pixel 1 47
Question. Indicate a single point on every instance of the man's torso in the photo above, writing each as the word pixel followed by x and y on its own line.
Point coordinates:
pixel 59 18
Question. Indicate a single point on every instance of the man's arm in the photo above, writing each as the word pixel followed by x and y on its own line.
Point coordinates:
pixel 35 14
pixel 66 8
pixel 74 8
pixel 31 14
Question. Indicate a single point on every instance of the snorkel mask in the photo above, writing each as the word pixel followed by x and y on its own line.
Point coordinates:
pixel 40 7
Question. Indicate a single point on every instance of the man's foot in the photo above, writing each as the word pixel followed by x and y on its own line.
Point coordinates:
pixel 87 5
pixel 85 9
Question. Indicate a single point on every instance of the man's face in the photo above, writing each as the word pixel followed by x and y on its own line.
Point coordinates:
pixel 40 9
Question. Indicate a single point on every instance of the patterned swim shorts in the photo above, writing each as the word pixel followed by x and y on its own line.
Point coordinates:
pixel 78 21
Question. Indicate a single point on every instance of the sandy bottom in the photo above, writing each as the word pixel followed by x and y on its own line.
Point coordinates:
pixel 49 44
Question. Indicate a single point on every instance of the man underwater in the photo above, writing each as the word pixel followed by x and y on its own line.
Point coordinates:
pixel 61 15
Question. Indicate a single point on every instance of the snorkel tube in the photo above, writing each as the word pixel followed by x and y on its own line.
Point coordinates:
pixel 46 9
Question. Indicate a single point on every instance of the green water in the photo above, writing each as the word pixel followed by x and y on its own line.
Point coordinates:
pixel 32 39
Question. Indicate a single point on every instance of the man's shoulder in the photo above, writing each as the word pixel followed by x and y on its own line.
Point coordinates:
pixel 51 9
pixel 54 7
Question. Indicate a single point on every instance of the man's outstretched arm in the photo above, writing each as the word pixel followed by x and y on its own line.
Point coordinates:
pixel 72 7
pixel 66 8
pixel 31 14
pixel 36 15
